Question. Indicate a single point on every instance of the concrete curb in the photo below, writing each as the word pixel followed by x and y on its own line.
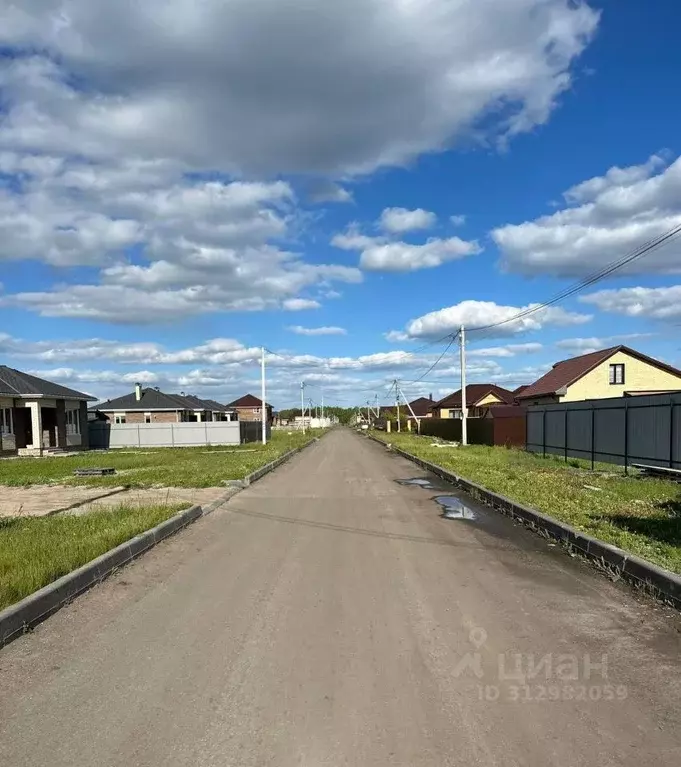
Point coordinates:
pixel 263 470
pixel 35 608
pixel 644 575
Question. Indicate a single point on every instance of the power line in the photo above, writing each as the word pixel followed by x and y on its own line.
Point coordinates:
pixel 452 338
pixel 642 250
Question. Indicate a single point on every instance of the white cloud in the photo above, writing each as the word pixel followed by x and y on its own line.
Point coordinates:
pixel 459 220
pixel 300 304
pixel 603 219
pixel 380 254
pixel 396 336
pixel 342 87
pixel 511 350
pixel 593 344
pixel 647 303
pixel 322 331
pixel 323 190
pixel 401 220
pixel 474 314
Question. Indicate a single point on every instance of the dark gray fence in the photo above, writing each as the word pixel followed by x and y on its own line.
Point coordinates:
pixel 251 431
pixel 623 430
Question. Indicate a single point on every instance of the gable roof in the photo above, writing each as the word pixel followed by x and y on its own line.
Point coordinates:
pixel 421 406
pixel 248 400
pixel 151 399
pixel 17 384
pixel 567 372
pixel 517 392
pixel 474 393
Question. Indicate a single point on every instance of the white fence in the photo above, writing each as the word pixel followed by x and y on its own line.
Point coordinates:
pixel 108 435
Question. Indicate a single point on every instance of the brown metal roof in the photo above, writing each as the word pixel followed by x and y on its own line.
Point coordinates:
pixel 248 400
pixel 565 373
pixel 474 393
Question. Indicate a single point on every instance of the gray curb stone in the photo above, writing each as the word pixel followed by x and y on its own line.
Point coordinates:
pixel 644 575
pixel 35 608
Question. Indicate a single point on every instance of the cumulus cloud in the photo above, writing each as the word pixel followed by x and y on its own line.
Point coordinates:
pixel 459 220
pixel 474 314
pixel 602 219
pixel 380 254
pixel 401 220
pixel 342 87
pixel 511 350
pixel 593 344
pixel 322 190
pixel 646 303
pixel 300 304
pixel 322 331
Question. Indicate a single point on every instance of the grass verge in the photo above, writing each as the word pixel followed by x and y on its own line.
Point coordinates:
pixel 37 551
pixel 642 516
pixel 165 467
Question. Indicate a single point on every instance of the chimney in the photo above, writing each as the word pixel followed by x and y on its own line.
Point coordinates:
pixel 138 391
pixel 431 396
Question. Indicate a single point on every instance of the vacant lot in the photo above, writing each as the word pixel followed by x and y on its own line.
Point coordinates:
pixel 35 552
pixel 642 516
pixel 161 467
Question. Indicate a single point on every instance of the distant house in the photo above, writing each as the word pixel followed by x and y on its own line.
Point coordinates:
pixel 155 406
pixel 249 408
pixel 420 407
pixel 614 372
pixel 479 397
pixel 38 415
pixel 517 392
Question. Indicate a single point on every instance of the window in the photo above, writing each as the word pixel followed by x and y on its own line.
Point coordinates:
pixel 73 421
pixel 6 424
pixel 147 418
pixel 617 375
pixel 256 410
pixel 119 419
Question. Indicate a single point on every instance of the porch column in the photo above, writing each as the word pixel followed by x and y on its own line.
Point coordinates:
pixel 36 425
pixel 61 423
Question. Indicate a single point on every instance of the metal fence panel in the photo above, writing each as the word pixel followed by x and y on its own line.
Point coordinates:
pixel 579 433
pixel 554 431
pixel 108 435
pixel 535 431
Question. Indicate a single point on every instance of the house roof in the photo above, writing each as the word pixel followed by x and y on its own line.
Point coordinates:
pixel 474 393
pixel 566 372
pixel 248 400
pixel 151 399
pixel 517 392
pixel 14 383
pixel 421 406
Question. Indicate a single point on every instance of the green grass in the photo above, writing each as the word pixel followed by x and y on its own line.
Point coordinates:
pixel 642 516
pixel 165 467
pixel 37 551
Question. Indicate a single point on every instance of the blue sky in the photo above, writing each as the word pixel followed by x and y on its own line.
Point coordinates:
pixel 342 185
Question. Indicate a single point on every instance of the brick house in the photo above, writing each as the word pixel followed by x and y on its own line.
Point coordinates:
pixel 38 416
pixel 479 398
pixel 249 408
pixel 155 406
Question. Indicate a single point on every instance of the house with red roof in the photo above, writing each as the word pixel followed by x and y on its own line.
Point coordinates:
pixel 615 372
pixel 479 398
pixel 249 408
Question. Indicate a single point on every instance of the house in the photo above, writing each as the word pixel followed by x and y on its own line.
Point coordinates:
pixel 479 397
pixel 155 406
pixel 517 392
pixel 249 408
pixel 614 372
pixel 38 415
pixel 420 407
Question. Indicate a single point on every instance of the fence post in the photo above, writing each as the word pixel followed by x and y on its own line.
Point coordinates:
pixel 139 437
pixel 626 437
pixel 543 432
pixel 565 439
pixel 671 432
pixel 593 435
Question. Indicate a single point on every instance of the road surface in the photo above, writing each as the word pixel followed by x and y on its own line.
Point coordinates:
pixel 329 616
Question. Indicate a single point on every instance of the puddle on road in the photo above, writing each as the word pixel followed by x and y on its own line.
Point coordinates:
pixel 454 508
pixel 417 482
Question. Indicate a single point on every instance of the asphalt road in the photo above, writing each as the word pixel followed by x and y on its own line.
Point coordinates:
pixel 330 616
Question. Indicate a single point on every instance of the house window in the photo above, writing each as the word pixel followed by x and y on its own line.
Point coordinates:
pixel 147 418
pixel 73 422
pixel 6 423
pixel 119 419
pixel 256 410
pixel 617 375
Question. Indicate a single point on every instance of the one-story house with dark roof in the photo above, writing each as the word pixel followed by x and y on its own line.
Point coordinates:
pixel 421 408
pixel 154 406
pixel 614 372
pixel 249 408
pixel 479 397
pixel 38 416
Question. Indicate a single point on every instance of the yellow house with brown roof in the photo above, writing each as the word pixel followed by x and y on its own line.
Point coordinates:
pixel 613 372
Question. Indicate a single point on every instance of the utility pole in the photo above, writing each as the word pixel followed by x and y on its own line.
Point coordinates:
pixel 302 404
pixel 322 404
pixel 411 410
pixel 464 404
pixel 368 413
pixel 262 396
pixel 397 403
